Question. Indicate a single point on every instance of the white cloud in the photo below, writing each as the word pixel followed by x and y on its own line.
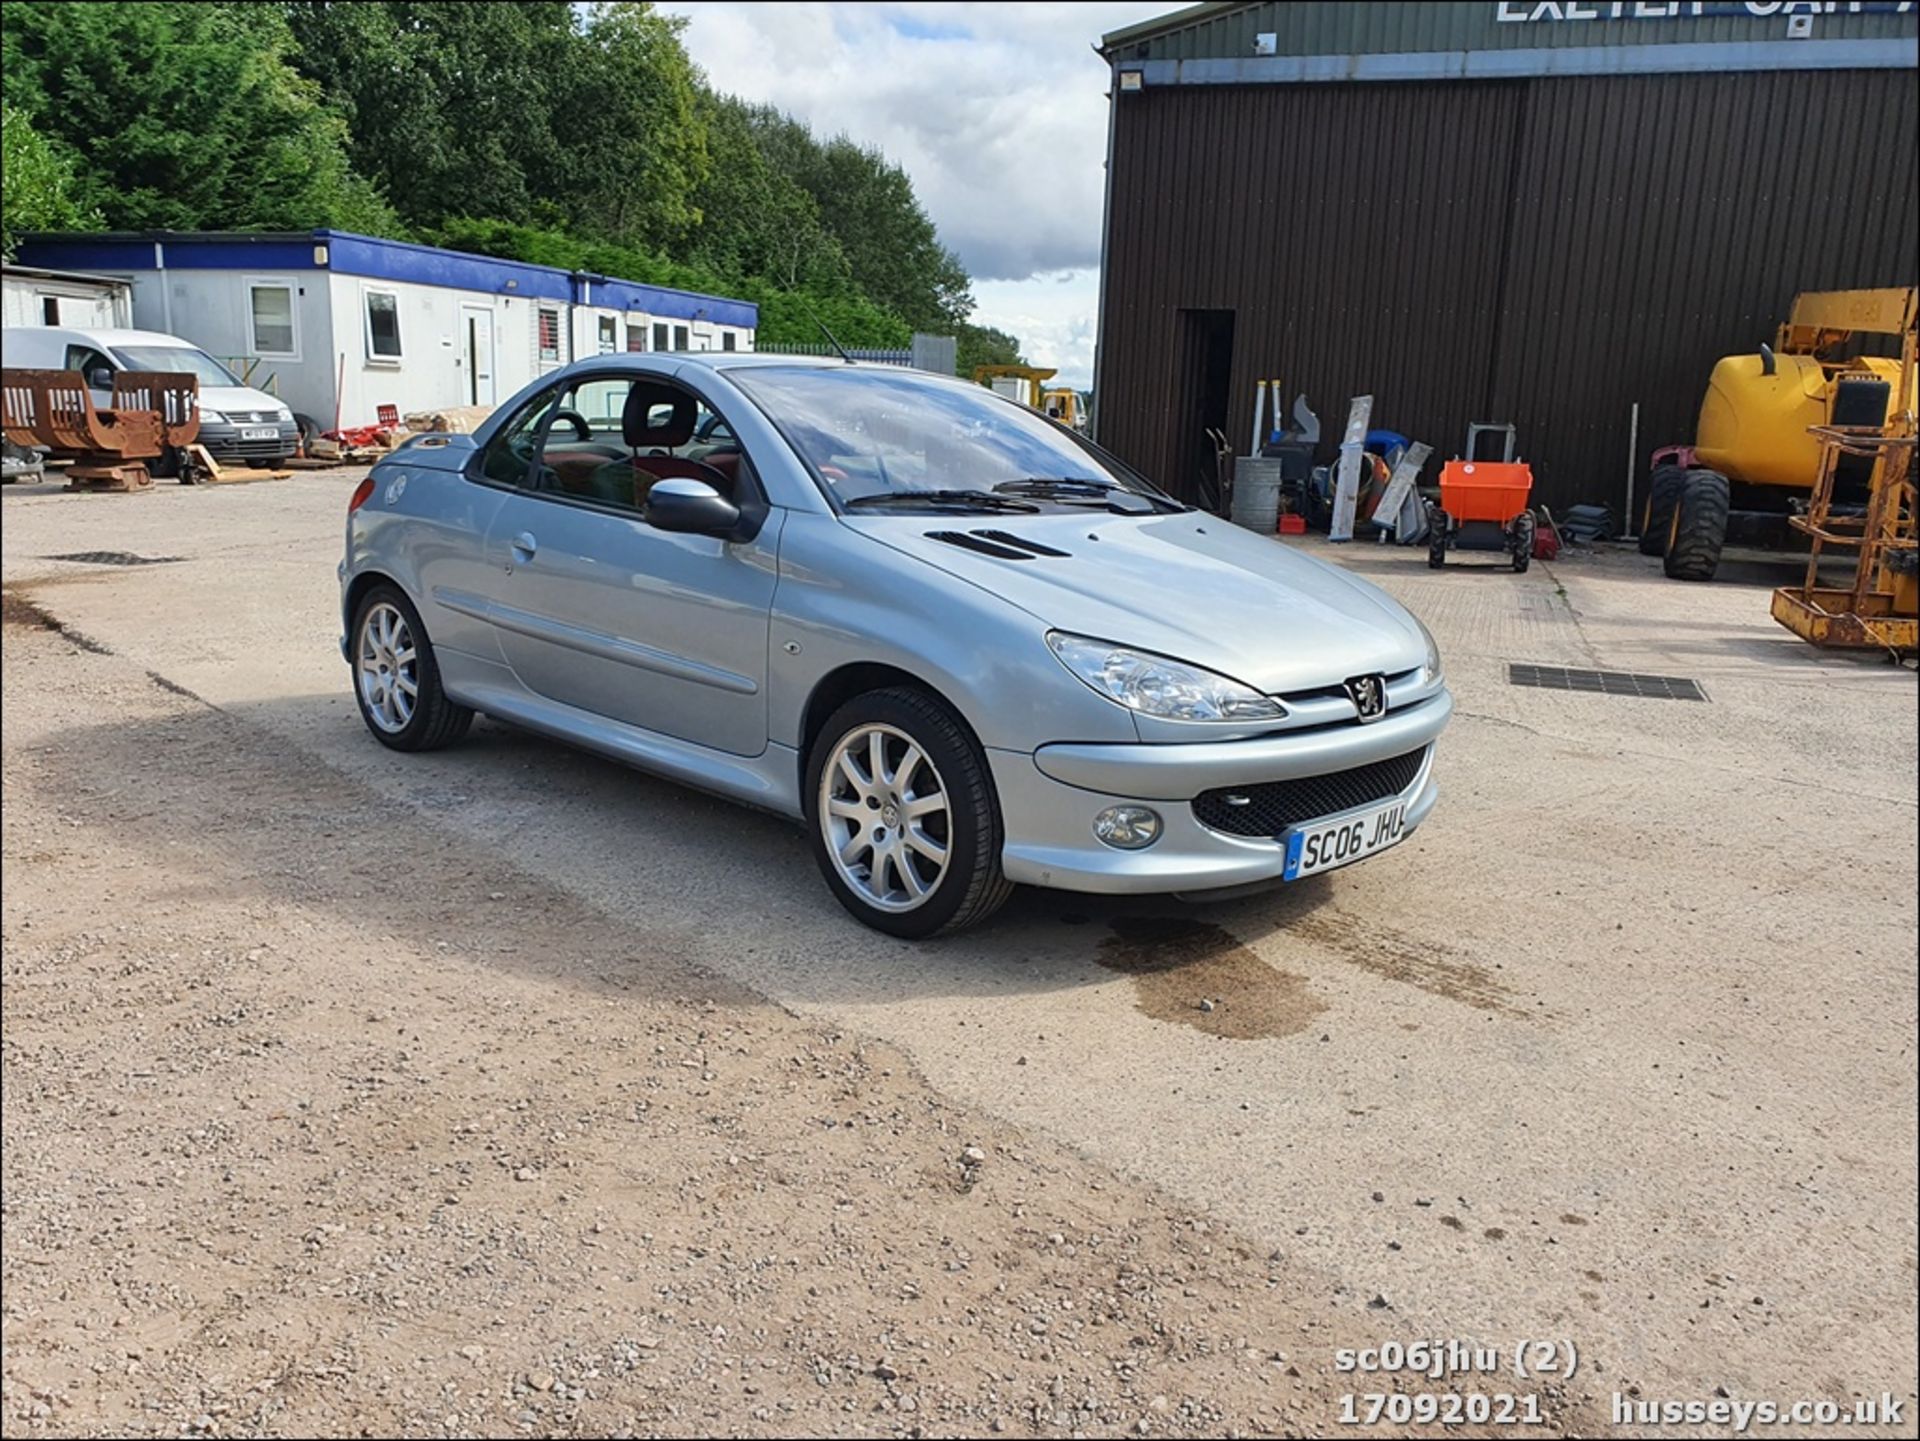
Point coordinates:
pixel 996 111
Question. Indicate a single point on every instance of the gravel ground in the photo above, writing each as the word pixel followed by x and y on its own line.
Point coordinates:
pixel 1619 1048
pixel 321 1122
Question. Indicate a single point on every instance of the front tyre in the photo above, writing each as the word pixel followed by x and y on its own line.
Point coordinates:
pixel 396 682
pixel 902 816
pixel 1663 494
pixel 1698 528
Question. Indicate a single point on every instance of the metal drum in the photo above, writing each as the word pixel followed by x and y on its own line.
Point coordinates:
pixel 1256 493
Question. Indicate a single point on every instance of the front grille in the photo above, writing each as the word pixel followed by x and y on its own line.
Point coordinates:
pixel 1274 806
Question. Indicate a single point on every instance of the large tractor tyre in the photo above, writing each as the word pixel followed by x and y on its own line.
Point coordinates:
pixel 1661 494
pixel 1699 527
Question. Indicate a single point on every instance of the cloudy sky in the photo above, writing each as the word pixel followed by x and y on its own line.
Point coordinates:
pixel 997 111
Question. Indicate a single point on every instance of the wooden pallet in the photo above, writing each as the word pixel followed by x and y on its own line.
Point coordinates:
pixel 208 471
pixel 129 478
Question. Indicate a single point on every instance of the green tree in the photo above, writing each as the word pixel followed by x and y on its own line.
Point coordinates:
pixel 983 345
pixel 756 219
pixel 631 129
pixel 450 106
pixel 895 255
pixel 36 183
pixel 184 116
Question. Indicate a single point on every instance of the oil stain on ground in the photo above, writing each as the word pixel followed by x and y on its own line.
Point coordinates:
pixel 1199 975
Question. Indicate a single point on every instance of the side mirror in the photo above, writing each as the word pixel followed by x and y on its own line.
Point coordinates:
pixel 690 507
pixel 100 378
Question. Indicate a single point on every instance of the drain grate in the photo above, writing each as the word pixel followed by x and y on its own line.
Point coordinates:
pixel 1606 682
pixel 113 557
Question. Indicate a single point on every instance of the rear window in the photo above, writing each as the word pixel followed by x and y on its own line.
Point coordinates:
pixel 179 359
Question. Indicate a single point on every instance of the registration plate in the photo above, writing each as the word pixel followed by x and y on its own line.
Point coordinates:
pixel 1338 843
pixel 259 432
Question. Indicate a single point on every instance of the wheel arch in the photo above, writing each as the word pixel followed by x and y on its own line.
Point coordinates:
pixel 842 684
pixel 357 589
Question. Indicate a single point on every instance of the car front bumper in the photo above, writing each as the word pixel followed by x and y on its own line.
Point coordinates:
pixel 224 444
pixel 1048 801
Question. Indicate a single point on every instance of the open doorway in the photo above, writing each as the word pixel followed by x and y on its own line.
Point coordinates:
pixel 1202 377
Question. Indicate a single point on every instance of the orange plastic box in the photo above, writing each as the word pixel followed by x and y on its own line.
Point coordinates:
pixel 1492 490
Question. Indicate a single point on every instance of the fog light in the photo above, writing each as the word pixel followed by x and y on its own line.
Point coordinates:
pixel 1127 828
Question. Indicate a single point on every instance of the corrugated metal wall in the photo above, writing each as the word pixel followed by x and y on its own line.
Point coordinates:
pixel 1546 251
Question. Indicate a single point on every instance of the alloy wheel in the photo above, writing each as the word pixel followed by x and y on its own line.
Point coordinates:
pixel 885 817
pixel 386 666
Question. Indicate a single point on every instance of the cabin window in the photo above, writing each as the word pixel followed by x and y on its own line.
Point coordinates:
pixel 609 335
pixel 727 341
pixel 636 338
pixel 660 341
pixel 680 338
pixel 270 306
pixel 549 334
pixel 383 325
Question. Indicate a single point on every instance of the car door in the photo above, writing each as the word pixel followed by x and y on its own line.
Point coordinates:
pixel 598 610
pixel 89 362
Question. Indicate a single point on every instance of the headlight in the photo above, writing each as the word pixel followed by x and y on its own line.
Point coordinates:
pixel 1431 674
pixel 213 415
pixel 283 415
pixel 1157 686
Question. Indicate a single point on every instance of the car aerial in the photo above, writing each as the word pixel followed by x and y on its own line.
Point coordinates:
pixel 961 644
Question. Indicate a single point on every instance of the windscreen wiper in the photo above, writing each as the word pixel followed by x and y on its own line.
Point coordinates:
pixel 968 499
pixel 1076 488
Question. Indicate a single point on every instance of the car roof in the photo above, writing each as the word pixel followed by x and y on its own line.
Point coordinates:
pixel 108 337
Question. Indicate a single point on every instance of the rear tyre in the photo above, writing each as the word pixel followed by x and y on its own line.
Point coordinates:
pixel 1662 493
pixel 902 816
pixel 396 681
pixel 1698 529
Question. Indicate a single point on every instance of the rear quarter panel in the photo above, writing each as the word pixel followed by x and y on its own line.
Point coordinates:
pixel 425 527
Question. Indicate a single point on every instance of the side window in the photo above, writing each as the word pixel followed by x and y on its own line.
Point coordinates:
pixel 383 326
pixel 585 454
pixel 601 403
pixel 512 449
pixel 636 337
pixel 86 360
pixel 681 338
pixel 549 333
pixel 609 332
pixel 660 341
pixel 270 308
pixel 727 341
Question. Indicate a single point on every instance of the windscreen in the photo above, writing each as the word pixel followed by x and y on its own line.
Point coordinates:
pixel 870 433
pixel 177 359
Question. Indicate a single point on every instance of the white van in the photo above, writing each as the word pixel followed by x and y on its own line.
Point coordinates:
pixel 237 422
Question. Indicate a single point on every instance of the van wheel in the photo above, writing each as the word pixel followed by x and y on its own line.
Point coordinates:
pixel 902 816
pixel 1662 492
pixel 396 682
pixel 1699 526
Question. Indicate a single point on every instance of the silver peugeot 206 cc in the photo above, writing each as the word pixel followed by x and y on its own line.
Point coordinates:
pixel 963 646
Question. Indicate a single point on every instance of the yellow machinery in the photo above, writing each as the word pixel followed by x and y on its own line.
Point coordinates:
pixel 1758 440
pixel 1016 382
pixel 1880 608
pixel 1062 403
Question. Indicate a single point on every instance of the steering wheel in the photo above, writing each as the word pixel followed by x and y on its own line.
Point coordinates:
pixel 581 430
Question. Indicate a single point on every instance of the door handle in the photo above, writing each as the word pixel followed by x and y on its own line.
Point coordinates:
pixel 524 545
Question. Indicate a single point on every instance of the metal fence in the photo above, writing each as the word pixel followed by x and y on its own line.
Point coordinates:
pixel 928 352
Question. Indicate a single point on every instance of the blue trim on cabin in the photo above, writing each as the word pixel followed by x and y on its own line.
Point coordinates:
pixel 375 259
